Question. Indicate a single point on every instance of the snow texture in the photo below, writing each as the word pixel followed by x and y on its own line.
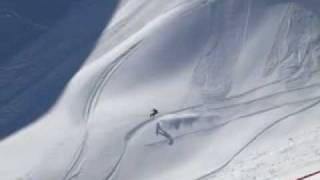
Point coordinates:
pixel 236 83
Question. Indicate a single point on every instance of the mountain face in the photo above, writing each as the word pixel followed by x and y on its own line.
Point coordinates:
pixel 235 82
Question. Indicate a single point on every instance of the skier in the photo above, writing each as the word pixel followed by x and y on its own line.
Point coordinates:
pixel 154 112
pixel 162 132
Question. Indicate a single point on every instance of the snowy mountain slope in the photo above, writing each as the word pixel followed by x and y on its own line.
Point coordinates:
pixel 236 83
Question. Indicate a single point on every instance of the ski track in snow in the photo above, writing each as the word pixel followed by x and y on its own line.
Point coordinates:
pixel 91 104
pixel 256 137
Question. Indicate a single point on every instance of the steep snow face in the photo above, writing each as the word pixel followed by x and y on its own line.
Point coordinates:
pixel 236 83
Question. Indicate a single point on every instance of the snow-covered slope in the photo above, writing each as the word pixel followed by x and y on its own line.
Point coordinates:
pixel 236 83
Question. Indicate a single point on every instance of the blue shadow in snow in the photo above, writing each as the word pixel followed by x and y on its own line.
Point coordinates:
pixel 42 45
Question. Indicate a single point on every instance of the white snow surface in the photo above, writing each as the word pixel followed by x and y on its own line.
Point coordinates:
pixel 236 82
